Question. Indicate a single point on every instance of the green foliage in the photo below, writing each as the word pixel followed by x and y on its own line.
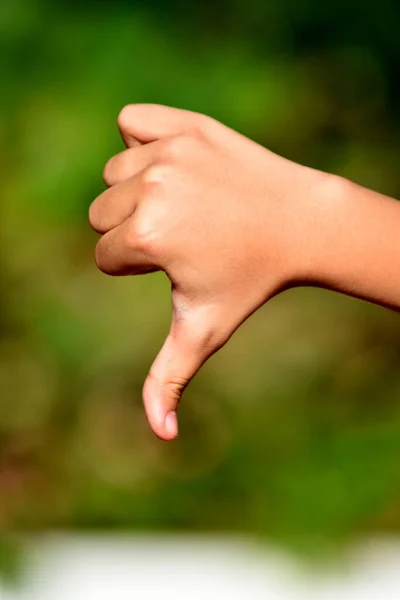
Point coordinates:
pixel 292 432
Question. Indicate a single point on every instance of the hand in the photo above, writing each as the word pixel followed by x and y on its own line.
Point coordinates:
pixel 223 217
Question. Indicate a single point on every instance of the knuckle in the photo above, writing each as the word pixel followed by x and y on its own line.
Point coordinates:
pixel 155 174
pixel 99 257
pixel 203 125
pixel 108 171
pixel 176 385
pixel 100 212
pixel 118 168
pixel 94 215
pixel 143 235
pixel 125 116
pixel 178 147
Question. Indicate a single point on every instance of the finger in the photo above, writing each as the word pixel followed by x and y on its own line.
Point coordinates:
pixel 128 163
pixel 121 252
pixel 115 205
pixel 149 122
pixel 181 356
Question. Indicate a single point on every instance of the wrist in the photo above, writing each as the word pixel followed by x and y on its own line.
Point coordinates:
pixel 324 214
pixel 352 245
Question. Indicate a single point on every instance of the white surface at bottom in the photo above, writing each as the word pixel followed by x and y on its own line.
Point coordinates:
pixel 129 568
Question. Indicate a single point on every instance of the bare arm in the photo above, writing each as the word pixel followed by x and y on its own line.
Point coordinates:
pixel 231 224
pixel 356 247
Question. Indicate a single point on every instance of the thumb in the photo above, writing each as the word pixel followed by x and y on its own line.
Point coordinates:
pixel 181 356
pixel 146 123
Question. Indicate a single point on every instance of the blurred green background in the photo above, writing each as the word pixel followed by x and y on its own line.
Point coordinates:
pixel 292 432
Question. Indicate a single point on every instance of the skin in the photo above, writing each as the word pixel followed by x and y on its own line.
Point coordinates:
pixel 231 224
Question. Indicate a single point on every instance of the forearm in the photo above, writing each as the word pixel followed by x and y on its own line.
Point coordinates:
pixel 356 248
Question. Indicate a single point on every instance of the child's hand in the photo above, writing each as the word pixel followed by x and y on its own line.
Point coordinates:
pixel 231 224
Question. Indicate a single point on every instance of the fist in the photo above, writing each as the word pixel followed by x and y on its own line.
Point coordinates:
pixel 219 214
